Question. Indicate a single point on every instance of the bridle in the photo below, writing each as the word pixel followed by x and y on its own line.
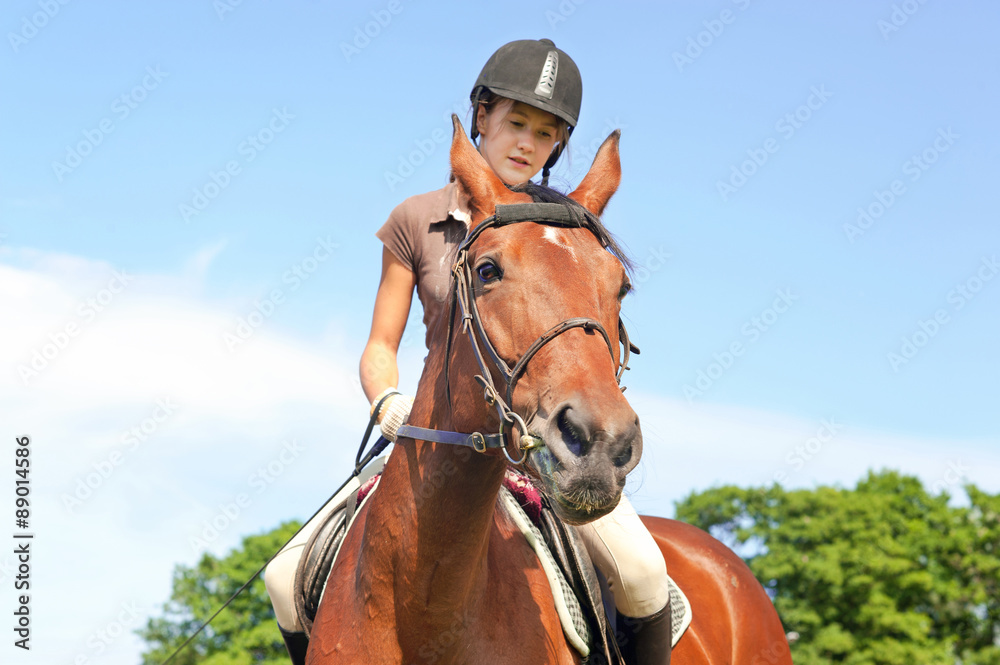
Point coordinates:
pixel 463 298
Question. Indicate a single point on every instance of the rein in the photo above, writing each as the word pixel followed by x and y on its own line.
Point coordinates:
pixel 463 298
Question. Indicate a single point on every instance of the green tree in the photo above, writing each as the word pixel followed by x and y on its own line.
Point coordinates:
pixel 245 633
pixel 884 574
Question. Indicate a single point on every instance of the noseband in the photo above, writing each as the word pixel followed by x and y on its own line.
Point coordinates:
pixel 553 214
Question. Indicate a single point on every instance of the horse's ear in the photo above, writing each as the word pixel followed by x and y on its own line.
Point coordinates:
pixel 603 178
pixel 483 186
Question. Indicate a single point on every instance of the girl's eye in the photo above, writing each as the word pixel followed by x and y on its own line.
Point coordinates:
pixel 488 272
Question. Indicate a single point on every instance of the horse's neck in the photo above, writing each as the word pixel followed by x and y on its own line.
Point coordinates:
pixel 436 505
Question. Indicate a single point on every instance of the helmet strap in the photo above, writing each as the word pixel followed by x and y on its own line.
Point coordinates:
pixel 476 102
pixel 549 163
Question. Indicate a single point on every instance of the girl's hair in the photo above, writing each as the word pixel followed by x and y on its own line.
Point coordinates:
pixel 494 103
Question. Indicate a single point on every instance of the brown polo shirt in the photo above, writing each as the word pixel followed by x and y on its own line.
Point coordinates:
pixel 424 233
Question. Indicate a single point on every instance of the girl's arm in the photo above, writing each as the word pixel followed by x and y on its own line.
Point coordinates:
pixel 392 307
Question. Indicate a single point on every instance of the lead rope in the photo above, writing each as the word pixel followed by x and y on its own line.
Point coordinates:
pixel 360 463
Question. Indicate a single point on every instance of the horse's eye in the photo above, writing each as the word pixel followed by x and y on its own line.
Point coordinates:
pixel 488 271
pixel 624 291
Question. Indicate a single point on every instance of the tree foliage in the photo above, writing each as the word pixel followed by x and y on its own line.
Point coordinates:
pixel 884 574
pixel 245 633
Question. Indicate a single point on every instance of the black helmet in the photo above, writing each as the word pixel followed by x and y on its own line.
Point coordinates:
pixel 536 73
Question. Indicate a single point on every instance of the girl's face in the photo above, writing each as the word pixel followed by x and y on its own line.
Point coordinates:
pixel 516 144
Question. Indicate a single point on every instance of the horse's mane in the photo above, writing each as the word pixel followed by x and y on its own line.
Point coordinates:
pixel 542 194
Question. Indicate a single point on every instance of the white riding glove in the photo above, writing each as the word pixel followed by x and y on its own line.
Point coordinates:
pixel 394 412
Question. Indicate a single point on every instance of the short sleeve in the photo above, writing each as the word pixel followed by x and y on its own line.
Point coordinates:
pixel 397 234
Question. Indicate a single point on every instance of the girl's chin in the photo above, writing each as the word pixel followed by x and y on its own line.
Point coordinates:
pixel 514 178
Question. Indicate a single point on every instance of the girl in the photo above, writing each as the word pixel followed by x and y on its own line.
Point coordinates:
pixel 525 104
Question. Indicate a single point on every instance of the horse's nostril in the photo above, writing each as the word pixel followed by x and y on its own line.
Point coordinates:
pixel 573 437
pixel 624 457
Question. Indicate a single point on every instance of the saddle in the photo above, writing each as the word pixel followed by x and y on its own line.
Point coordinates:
pixel 579 591
pixel 321 549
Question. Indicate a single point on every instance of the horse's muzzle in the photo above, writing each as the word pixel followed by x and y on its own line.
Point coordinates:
pixel 586 458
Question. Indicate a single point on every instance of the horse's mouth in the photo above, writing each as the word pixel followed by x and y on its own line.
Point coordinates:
pixel 575 498
pixel 584 510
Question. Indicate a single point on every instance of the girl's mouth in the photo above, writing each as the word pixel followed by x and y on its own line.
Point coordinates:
pixel 518 161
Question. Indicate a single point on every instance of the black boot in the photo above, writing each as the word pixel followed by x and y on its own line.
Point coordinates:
pixel 297 644
pixel 646 640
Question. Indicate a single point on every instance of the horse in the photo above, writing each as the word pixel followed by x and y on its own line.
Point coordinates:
pixel 433 571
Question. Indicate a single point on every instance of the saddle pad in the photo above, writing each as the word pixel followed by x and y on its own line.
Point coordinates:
pixel 574 564
pixel 320 551
pixel 567 605
pixel 680 612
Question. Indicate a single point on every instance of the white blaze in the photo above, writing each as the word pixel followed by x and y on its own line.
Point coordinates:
pixel 554 235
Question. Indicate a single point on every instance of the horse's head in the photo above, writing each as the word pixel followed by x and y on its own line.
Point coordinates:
pixel 525 279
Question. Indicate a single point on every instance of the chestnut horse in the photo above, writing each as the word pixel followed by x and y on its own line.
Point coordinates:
pixel 432 571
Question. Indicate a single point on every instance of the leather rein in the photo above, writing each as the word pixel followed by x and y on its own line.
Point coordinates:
pixel 463 298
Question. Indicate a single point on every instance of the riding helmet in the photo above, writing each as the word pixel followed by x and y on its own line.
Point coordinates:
pixel 534 72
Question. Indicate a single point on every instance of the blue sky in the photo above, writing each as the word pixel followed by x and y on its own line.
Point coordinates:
pixel 752 134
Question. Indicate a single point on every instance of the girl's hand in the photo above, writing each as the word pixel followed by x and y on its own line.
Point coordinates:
pixel 394 412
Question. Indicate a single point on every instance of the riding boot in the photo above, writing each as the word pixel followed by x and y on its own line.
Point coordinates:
pixel 646 640
pixel 297 644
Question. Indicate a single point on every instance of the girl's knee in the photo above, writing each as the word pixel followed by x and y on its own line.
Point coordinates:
pixel 642 567
pixel 279 578
pixel 644 588
pixel 642 585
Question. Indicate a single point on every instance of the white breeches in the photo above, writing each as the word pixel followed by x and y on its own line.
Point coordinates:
pixel 279 576
pixel 619 544
pixel 625 552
